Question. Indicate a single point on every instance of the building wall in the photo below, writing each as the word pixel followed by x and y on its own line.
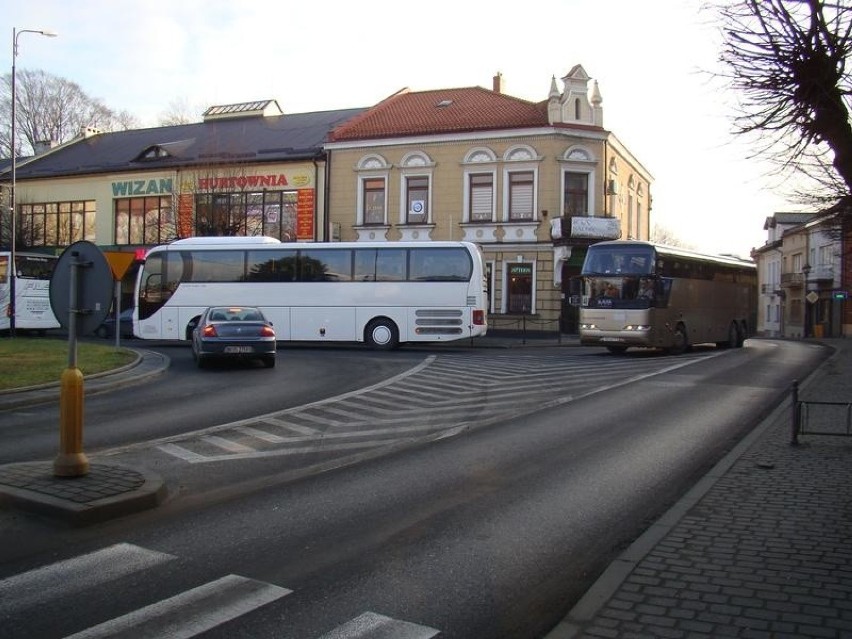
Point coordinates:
pixel 104 189
pixel 503 243
pixel 794 255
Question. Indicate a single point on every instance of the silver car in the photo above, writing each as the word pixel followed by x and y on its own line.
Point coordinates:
pixel 233 332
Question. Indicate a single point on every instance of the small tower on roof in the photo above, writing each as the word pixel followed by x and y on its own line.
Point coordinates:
pixel 577 104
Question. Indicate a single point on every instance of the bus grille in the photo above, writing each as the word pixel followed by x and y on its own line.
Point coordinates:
pixel 439 321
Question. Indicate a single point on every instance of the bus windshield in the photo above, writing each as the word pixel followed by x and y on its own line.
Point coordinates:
pixel 629 291
pixel 34 267
pixel 621 260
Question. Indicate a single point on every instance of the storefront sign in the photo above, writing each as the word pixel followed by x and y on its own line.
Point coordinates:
pixel 242 182
pixel 305 215
pixel 161 186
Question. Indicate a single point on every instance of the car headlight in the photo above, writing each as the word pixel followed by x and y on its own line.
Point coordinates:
pixel 588 326
pixel 637 327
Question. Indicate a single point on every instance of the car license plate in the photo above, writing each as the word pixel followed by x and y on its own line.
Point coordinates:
pixel 238 349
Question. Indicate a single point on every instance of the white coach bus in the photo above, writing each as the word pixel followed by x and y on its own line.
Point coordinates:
pixel 382 293
pixel 32 291
pixel 649 295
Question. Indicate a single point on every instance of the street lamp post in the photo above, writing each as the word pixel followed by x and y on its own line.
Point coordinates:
pixel 806 271
pixel 13 271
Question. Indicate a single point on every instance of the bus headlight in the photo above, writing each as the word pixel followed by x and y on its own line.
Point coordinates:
pixel 637 327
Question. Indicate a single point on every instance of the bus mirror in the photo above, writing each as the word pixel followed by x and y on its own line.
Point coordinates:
pixel 575 286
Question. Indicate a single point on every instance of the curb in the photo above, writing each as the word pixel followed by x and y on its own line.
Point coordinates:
pixel 106 492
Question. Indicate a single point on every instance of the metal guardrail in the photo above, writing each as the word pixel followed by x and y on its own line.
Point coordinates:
pixel 819 418
pixel 525 325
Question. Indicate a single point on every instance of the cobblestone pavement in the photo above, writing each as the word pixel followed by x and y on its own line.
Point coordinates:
pixel 761 548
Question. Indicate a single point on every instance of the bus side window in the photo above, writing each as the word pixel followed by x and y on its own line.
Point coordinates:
pixel 663 290
pixel 153 288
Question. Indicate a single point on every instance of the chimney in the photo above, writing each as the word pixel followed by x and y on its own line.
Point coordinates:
pixel 498 83
pixel 42 146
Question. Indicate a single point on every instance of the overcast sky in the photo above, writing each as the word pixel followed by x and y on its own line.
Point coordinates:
pixel 651 60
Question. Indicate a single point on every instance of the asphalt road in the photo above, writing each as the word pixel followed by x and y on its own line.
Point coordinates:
pixel 493 532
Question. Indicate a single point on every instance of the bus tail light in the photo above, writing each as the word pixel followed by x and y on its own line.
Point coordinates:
pixel 479 318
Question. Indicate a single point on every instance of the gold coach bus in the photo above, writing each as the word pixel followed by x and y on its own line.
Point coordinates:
pixel 653 296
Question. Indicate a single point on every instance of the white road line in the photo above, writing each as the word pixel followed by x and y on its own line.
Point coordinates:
pixel 227 444
pixel 296 428
pixel 53 581
pixel 190 613
pixel 372 625
pixel 260 434
pixel 181 453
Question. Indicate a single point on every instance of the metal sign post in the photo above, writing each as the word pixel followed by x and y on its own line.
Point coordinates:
pixel 83 272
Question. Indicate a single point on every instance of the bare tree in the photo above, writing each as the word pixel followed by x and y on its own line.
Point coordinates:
pixel 52 109
pixel 787 61
pixel 663 235
pixel 179 112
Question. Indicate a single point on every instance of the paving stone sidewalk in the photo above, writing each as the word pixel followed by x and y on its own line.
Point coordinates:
pixel 761 548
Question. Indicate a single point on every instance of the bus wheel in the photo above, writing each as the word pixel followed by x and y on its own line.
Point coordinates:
pixel 741 335
pixel 382 334
pixel 616 350
pixel 681 341
pixel 733 337
pixel 191 327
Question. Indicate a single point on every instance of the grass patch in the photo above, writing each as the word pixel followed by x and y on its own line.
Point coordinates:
pixel 28 361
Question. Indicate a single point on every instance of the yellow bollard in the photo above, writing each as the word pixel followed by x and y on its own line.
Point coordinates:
pixel 71 461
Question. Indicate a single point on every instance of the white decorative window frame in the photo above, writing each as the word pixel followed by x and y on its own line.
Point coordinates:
pixel 518 159
pixel 479 160
pixel 579 159
pixel 415 164
pixel 370 167
pixel 504 302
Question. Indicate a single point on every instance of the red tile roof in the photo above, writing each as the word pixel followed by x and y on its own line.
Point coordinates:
pixel 408 113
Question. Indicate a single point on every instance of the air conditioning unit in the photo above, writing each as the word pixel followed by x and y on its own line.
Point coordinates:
pixel 612 187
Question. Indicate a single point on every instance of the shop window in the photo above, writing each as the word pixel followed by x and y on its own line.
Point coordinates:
pixel 56 223
pixel 520 288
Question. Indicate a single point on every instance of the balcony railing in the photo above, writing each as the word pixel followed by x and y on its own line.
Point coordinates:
pixel 822 274
pixel 601 228
pixel 792 280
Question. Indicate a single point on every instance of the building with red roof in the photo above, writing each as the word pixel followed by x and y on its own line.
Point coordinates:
pixel 532 183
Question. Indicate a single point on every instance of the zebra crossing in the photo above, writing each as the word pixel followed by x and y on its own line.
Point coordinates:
pixel 441 396
pixel 119 568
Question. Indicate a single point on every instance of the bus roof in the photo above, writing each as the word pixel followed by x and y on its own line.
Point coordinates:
pixel 262 243
pixel 676 251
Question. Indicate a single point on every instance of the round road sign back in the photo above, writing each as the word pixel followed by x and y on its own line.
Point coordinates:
pixel 94 287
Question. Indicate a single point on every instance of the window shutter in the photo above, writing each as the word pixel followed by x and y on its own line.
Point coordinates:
pixel 481 203
pixel 522 202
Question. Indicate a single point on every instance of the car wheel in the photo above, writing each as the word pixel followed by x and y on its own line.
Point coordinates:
pixel 382 334
pixel 101 331
pixel 617 350
pixel 269 362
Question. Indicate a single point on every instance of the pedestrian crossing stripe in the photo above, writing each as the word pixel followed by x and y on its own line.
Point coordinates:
pixel 371 624
pixel 191 612
pixel 48 582
pixel 182 616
